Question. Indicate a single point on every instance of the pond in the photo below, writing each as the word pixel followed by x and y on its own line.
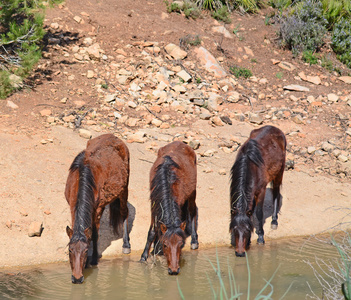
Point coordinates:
pixel 125 277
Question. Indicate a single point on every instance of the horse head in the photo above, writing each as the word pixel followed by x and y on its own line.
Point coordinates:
pixel 78 253
pixel 173 240
pixel 241 230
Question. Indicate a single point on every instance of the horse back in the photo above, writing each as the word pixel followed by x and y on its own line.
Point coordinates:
pixel 272 143
pixel 185 157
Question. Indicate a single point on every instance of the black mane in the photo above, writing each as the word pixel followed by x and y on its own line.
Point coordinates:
pixel 85 198
pixel 164 208
pixel 241 178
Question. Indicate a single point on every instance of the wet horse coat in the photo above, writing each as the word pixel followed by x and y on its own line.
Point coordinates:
pixel 260 160
pixel 173 208
pixel 98 176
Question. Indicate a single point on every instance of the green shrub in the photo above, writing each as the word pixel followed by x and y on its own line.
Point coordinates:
pixel 21 34
pixel 309 57
pixel 249 6
pixel 240 72
pixel 334 10
pixel 304 28
pixel 341 41
pixel 222 14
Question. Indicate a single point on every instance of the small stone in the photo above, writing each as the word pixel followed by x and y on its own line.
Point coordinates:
pixel 45 112
pixel 255 118
pixel 132 104
pixel 138 137
pixel 132 122
pixel 327 147
pixel 226 120
pixel 78 19
pixel 90 74
pixel 84 133
pixel 298 119
pixel 194 144
pixel 109 98
pixel 184 76
pixel 11 104
pixel 222 172
pixel 217 121
pixel 248 51
pixel 333 97
pixel 205 116
pixel 289 164
pixel 47 212
pixel 23 212
pixel 54 25
pixel 209 153
pixel 64 100
pixel 286 66
pixel 15 81
pixel 9 224
pixel 343 158
pixel 348 131
pixel 156 122
pixel 297 88
pixel 234 97
pixel 346 79
pixel 35 229
pixel 175 51
pixel 207 170
pixel 311 149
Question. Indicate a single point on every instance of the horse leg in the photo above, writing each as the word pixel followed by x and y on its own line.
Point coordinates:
pixel 150 239
pixel 259 215
pixel 276 199
pixel 194 244
pixel 124 213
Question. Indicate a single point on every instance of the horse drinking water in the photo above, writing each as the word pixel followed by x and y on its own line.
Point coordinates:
pixel 173 208
pixel 98 176
pixel 260 160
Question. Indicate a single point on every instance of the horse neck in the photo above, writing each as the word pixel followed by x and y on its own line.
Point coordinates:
pixel 85 200
pixel 164 206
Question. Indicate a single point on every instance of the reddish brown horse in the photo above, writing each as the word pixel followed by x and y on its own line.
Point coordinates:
pixel 98 176
pixel 173 207
pixel 260 160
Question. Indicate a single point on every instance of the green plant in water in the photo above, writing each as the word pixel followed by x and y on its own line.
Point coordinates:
pixel 240 72
pixel 309 57
pixel 233 293
pixel 222 14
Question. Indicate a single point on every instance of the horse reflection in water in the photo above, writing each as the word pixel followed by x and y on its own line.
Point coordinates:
pixel 260 160
pixel 98 176
pixel 173 208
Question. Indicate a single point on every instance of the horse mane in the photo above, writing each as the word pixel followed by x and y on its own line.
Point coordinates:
pixel 163 205
pixel 85 198
pixel 241 176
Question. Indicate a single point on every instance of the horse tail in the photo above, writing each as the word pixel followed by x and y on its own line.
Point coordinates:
pixel 117 215
pixel 85 197
pixel 163 205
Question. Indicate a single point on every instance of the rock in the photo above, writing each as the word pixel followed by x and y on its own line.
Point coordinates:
pixel 184 75
pixel 289 164
pixel 132 104
pixel 12 105
pixel 194 144
pixel 343 158
pixel 209 153
pixel 333 97
pixel 175 51
pixel 346 79
pixel 311 149
pixel 23 212
pixel 15 81
pixel 298 119
pixel 222 172
pixel 90 74
pixel 35 229
pixel 233 97
pixel 217 121
pixel 94 51
pixel 84 133
pixel 210 63
pixel 138 137
pixel 78 19
pixel 226 120
pixel 9 224
pixel 110 97
pixel 248 51
pixel 156 122
pixel 255 118
pixel 222 30
pixel 297 88
pixel 348 131
pixel 54 26
pixel 132 122
pixel 286 66
pixel 207 116
pixel 327 147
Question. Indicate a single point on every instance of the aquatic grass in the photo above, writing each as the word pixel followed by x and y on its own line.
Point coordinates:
pixel 233 292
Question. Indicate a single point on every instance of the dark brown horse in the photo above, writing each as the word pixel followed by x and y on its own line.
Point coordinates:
pixel 98 176
pixel 173 207
pixel 260 160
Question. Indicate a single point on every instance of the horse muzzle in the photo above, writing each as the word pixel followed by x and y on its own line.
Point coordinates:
pixel 79 280
pixel 239 254
pixel 171 272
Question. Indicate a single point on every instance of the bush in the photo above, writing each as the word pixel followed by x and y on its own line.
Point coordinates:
pixel 21 34
pixel 250 6
pixel 240 72
pixel 222 14
pixel 341 41
pixel 334 10
pixel 305 28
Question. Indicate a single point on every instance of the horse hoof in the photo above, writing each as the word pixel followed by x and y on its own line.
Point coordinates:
pixel 126 250
pixel 194 246
pixel 274 226
pixel 142 260
pixel 260 241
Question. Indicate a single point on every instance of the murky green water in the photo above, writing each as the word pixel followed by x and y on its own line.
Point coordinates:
pixel 125 278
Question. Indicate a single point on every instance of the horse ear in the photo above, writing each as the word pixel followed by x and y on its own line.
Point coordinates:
pixel 163 228
pixel 69 232
pixel 183 225
pixel 88 233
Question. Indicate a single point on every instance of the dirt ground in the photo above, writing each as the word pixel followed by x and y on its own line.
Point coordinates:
pixel 33 172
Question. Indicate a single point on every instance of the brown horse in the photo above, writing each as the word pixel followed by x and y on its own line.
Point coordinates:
pixel 173 207
pixel 260 160
pixel 98 176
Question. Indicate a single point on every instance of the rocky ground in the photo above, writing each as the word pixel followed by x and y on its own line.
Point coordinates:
pixel 134 70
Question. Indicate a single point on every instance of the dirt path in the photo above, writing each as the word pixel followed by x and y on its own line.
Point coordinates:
pixel 34 175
